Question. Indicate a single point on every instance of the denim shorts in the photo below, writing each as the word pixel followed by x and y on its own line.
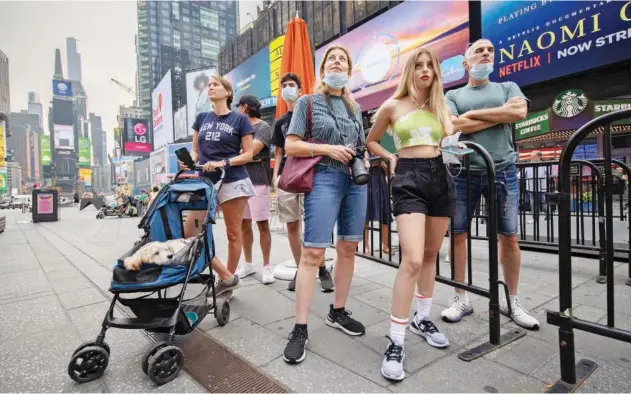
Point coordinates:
pixel 334 200
pixel 506 200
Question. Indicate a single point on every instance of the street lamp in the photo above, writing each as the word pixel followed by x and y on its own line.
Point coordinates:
pixel 251 17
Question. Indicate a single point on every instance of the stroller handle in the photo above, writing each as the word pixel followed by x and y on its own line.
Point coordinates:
pixel 200 169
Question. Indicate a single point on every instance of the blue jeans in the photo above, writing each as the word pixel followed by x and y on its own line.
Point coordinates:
pixel 506 200
pixel 334 199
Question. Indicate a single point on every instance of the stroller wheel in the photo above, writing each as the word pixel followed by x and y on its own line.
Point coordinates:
pixel 88 364
pixel 92 343
pixel 165 365
pixel 153 351
pixel 223 313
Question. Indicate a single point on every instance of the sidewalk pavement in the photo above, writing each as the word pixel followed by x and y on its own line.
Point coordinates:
pixel 53 295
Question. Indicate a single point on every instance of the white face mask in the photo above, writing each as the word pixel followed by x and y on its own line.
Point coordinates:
pixel 481 71
pixel 336 80
pixel 289 94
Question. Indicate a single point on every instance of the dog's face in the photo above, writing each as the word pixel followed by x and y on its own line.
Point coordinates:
pixel 157 253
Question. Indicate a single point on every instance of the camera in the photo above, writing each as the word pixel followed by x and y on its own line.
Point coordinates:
pixel 359 171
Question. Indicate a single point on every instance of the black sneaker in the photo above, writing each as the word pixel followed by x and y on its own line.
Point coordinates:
pixel 295 349
pixel 326 282
pixel 341 319
pixel 292 285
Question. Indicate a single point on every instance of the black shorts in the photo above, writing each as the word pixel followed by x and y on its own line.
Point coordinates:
pixel 423 186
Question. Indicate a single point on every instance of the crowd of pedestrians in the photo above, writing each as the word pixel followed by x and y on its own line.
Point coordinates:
pixel 327 126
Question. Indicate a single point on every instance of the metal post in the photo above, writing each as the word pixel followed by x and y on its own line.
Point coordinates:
pixel 607 140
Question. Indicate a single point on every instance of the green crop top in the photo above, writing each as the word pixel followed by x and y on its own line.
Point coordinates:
pixel 418 127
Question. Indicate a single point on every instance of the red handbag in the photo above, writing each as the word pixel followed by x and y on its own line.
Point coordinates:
pixel 298 172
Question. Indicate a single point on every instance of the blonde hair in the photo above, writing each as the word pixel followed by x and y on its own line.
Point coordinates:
pixel 321 87
pixel 226 85
pixel 436 102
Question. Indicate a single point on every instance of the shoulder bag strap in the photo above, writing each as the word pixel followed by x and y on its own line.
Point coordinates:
pixel 308 132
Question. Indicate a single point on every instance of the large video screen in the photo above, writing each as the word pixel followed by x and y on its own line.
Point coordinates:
pixel 540 40
pixel 162 112
pixel 64 136
pixel 63 112
pixel 252 76
pixel 136 139
pixel 381 47
pixel 197 94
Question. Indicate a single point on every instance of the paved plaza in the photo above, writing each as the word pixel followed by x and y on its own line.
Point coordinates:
pixel 54 280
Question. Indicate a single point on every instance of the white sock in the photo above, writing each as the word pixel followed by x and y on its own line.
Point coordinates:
pixel 513 298
pixel 463 297
pixel 423 307
pixel 398 330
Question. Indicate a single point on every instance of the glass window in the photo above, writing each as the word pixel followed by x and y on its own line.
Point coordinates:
pixel 209 18
pixel 176 10
pixel 166 30
pixel 210 48
pixel 166 22
pixel 186 35
pixel 165 5
pixel 185 11
pixel 166 13
pixel 185 19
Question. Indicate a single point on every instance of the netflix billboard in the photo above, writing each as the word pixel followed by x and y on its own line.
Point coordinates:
pixel 136 137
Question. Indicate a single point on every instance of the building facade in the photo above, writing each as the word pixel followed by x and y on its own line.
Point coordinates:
pixel 35 108
pixel 180 36
pixel 97 137
pixel 23 146
pixel 14 178
pixel 5 94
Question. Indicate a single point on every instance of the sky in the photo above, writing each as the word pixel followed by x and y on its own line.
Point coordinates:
pixel 30 31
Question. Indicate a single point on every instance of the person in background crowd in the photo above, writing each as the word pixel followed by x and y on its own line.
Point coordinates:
pixel 153 193
pixel 378 207
pixel 334 200
pixel 537 196
pixel 423 197
pixel 223 139
pixel 290 205
pixel 258 207
pixel 75 197
pixel 484 111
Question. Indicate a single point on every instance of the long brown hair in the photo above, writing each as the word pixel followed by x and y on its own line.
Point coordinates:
pixel 226 85
pixel 407 88
pixel 321 87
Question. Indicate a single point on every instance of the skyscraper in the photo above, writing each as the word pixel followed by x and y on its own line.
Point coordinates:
pixel 73 60
pixel 97 137
pixel 180 36
pixel 5 100
pixel 35 108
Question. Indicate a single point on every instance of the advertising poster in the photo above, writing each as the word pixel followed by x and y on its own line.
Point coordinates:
pixel 64 136
pixel 540 40
pixel 85 148
pixel 252 76
pixel 276 56
pixel 157 167
pixel 3 147
pixel 3 183
pixel 172 159
pixel 181 128
pixel 136 137
pixel 197 94
pixel 162 112
pixel 381 47
pixel 45 203
pixel 62 88
pixel 45 150
pixel 86 176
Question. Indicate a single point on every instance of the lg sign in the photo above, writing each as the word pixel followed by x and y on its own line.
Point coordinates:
pixel 136 137
pixel 139 133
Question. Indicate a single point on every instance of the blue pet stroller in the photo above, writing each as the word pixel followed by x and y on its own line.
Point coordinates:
pixel 154 311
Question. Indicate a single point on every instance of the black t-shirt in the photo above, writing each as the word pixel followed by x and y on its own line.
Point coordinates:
pixel 280 132
pixel 259 169
pixel 219 138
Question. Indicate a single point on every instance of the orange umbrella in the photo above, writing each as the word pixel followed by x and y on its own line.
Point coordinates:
pixel 297 58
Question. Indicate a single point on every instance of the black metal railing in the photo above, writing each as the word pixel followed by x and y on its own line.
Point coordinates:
pixel 573 374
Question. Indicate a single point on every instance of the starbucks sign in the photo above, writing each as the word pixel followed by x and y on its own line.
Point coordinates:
pixel 570 103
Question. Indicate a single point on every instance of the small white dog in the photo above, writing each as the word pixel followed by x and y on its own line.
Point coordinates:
pixel 159 253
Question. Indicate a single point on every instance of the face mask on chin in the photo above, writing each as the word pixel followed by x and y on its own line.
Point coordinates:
pixel 336 80
pixel 481 71
pixel 289 94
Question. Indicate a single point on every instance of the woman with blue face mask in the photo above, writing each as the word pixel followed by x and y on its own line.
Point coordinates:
pixel 335 198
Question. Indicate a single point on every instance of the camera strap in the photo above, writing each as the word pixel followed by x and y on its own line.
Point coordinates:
pixel 352 116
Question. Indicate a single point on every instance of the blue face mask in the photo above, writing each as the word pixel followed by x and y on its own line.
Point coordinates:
pixel 481 71
pixel 336 80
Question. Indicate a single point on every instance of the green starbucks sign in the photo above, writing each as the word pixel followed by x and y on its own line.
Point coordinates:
pixel 85 158
pixel 533 125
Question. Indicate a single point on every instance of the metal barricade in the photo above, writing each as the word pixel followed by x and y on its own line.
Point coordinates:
pixel 574 375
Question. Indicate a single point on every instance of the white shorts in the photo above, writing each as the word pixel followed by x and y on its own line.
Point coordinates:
pixel 236 189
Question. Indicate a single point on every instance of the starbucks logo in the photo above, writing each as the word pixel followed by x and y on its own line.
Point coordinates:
pixel 570 103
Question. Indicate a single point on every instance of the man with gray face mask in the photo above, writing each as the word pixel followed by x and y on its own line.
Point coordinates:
pixel 290 205
pixel 484 111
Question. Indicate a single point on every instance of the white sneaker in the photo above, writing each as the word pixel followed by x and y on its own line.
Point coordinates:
pixel 267 276
pixel 520 315
pixel 393 362
pixel 457 310
pixel 244 270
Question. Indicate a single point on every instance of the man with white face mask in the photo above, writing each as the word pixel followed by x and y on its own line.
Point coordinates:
pixel 290 205
pixel 484 112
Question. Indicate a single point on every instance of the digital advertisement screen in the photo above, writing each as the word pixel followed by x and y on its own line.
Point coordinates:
pixel 62 88
pixel 540 40
pixel 381 47
pixel 136 137
pixel 63 112
pixel 197 94
pixel 85 154
pixel 162 112
pixel 252 76
pixel 64 136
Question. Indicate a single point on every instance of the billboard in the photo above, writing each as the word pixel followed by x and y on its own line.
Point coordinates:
pixel 252 76
pixel 85 157
pixel 85 175
pixel 64 136
pixel 63 111
pixel 142 174
pixel 541 40
pixel 162 112
pixel 197 93
pixel 276 56
pixel 3 147
pixel 62 88
pixel 381 47
pixel 172 160
pixel 181 128
pixel 136 137
pixel 3 183
pixel 157 167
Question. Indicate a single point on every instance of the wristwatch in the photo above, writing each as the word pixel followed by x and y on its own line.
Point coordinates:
pixel 226 162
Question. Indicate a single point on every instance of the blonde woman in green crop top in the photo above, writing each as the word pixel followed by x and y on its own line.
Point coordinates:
pixel 423 196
